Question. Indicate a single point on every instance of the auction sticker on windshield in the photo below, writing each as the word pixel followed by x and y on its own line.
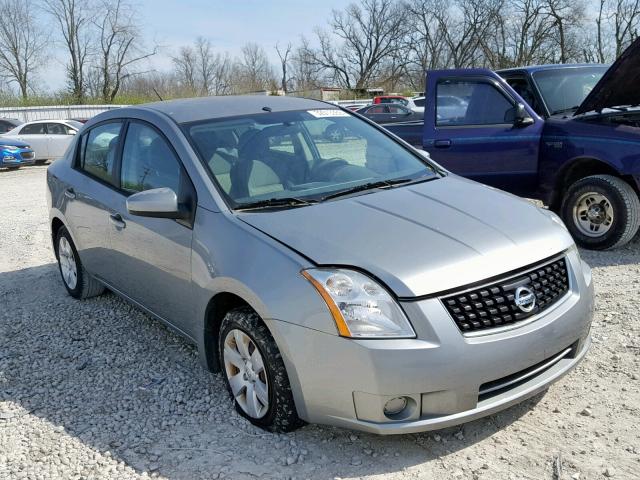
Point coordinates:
pixel 328 113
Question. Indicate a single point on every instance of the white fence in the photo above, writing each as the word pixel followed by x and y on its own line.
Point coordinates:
pixel 61 112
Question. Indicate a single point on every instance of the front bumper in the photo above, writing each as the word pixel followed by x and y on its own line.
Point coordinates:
pixel 346 383
pixel 17 159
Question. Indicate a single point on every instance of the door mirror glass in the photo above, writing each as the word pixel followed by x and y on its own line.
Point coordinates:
pixel 157 202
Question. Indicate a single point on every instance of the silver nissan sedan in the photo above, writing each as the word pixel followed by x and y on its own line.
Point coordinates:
pixel 333 273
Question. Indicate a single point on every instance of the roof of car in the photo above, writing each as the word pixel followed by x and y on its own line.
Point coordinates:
pixel 196 109
pixel 555 66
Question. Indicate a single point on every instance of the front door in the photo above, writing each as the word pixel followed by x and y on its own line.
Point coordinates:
pixel 152 256
pixel 35 134
pixel 471 129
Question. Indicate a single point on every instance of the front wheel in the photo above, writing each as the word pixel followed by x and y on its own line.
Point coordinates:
pixel 76 280
pixel 255 372
pixel 601 212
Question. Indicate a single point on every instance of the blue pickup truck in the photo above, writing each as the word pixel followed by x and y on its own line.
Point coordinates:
pixel 568 135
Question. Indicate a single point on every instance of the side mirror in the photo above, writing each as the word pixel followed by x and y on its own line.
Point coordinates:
pixel 157 202
pixel 72 132
pixel 521 117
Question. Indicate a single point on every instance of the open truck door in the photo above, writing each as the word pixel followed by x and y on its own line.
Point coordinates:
pixel 478 127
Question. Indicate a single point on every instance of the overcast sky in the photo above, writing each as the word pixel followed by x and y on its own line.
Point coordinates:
pixel 228 24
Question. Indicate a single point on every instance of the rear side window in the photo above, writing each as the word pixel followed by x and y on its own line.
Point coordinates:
pixel 471 102
pixel 58 129
pixel 33 129
pixel 99 150
pixel 377 110
pixel 148 161
pixel 419 102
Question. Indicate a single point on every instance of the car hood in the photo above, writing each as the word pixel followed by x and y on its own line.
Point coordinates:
pixel 423 238
pixel 619 85
pixel 12 142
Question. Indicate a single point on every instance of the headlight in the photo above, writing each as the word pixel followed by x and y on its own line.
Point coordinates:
pixel 360 306
pixel 10 148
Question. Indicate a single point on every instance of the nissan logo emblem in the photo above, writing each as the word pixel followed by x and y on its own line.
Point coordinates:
pixel 525 299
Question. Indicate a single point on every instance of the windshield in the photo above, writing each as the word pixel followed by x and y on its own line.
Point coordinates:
pixel 564 89
pixel 299 155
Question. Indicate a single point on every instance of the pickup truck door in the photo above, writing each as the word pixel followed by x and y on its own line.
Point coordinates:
pixel 473 126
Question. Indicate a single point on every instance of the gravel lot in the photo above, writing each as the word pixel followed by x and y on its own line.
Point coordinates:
pixel 97 389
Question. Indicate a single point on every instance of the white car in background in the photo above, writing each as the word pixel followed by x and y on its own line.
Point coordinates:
pixel 48 138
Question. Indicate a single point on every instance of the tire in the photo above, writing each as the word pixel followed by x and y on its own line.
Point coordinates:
pixel 84 285
pixel 334 134
pixel 41 162
pixel 279 414
pixel 601 212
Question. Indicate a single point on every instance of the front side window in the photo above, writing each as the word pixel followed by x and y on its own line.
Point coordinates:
pixel 471 102
pixel 99 149
pixel 33 129
pixel 307 154
pixel 564 89
pixel 148 161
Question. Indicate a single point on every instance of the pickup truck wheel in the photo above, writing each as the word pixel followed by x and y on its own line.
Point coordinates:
pixel 76 280
pixel 601 212
pixel 255 373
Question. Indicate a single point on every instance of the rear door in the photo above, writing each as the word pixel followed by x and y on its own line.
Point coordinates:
pixel 59 137
pixel 470 129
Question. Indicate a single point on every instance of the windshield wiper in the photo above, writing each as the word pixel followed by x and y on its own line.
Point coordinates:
pixel 564 110
pixel 368 186
pixel 277 202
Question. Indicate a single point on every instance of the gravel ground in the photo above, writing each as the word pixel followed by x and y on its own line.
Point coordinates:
pixel 97 389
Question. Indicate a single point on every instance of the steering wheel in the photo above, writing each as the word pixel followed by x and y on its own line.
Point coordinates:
pixel 327 167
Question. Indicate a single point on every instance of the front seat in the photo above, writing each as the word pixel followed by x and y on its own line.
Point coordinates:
pixel 251 177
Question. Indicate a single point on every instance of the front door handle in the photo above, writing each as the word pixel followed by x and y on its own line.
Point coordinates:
pixel 117 221
pixel 442 143
pixel 70 193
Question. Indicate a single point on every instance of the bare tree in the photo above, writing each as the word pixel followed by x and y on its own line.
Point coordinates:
pixel 185 65
pixel 22 43
pixel 626 20
pixel 253 71
pixel 368 34
pixel 284 63
pixel 201 71
pixel 73 19
pixel 306 75
pixel 120 46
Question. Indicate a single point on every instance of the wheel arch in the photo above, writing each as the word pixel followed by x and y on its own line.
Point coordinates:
pixel 217 307
pixel 579 168
pixel 56 225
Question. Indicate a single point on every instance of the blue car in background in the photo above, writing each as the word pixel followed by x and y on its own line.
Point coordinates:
pixel 15 154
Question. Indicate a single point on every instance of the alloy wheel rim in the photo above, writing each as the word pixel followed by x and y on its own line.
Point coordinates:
pixel 593 214
pixel 246 373
pixel 67 261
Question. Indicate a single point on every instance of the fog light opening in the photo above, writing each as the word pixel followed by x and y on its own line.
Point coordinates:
pixel 395 407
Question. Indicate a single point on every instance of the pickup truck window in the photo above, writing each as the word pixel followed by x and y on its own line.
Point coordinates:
pixel 565 89
pixel 471 102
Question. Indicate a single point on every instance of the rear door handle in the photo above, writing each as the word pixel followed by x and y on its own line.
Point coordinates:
pixel 117 221
pixel 70 193
pixel 442 143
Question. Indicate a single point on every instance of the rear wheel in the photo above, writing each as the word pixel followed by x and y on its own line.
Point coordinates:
pixel 334 134
pixel 255 372
pixel 76 280
pixel 601 212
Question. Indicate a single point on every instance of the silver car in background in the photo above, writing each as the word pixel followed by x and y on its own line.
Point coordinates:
pixel 352 282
